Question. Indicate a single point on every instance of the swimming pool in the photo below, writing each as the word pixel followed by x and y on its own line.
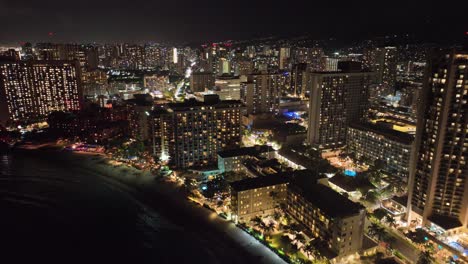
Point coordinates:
pixel 350 173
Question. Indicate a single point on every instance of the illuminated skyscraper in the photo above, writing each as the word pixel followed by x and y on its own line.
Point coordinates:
pixel 337 98
pixel 438 187
pixel 31 90
pixel 261 93
pixel 284 58
pixel 299 79
pixel 382 61
pixel 87 56
pixel 190 134
pixel 201 81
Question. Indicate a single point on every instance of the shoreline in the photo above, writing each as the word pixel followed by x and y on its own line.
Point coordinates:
pixel 174 206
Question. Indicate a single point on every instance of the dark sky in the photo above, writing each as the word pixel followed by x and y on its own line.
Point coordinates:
pixel 192 20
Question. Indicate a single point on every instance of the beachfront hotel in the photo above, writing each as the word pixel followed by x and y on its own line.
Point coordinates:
pixel 438 190
pixel 328 216
pixel 190 134
pixel 259 196
pixel 337 98
pixel 30 90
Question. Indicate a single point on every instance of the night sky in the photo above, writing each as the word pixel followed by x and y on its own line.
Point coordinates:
pixel 207 20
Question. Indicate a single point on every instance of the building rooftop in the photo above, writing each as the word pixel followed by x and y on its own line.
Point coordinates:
pixel 259 182
pixel 350 184
pixel 330 202
pixel 248 151
pixel 389 133
pixel 446 222
pixel 402 200
pixel 192 103
pixel 273 179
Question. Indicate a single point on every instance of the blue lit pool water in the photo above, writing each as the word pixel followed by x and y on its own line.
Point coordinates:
pixel 350 173
pixel 456 246
pixel 292 115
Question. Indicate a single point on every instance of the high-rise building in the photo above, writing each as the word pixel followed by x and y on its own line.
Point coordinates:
pixel 329 64
pixel 30 90
pixel 201 81
pixel 153 56
pixel 87 56
pixel 337 99
pixel 438 187
pixel 382 61
pixel 132 56
pixel 284 58
pixel 194 132
pixel 311 56
pixel 261 93
pixel 299 76
pixel 156 82
pixel 244 67
pixel 224 66
pixel 10 54
pixel 27 51
pixel 228 88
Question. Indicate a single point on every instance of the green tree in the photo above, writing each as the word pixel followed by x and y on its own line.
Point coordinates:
pixel 380 213
pixel 258 223
pixel 376 231
pixel 310 250
pixel 390 220
pixel 425 257
pixel 269 228
pixel 299 238
pixel 277 215
pixel 372 197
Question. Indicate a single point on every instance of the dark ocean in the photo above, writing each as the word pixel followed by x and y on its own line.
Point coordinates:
pixel 53 212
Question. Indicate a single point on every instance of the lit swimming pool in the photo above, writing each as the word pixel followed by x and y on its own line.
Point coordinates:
pixel 350 173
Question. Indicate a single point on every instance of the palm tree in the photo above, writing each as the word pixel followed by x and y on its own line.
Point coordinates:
pixel 295 228
pixel 299 238
pixel 390 220
pixel 309 249
pixel 425 257
pixel 269 228
pixel 376 231
pixel 277 215
pixel 258 223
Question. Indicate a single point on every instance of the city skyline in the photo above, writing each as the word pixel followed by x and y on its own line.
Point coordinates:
pixel 233 132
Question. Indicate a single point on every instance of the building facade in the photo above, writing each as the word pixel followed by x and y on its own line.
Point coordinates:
pixel 298 84
pixel 231 160
pixel 261 93
pixel 382 61
pixel 438 194
pixel 336 100
pixel 194 132
pixel 329 216
pixel 202 81
pixel 376 143
pixel 30 90
pixel 257 196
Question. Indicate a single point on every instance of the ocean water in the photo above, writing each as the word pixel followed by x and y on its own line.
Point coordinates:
pixel 51 212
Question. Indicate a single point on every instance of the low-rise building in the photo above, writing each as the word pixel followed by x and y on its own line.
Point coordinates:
pixel 231 160
pixel 257 196
pixel 328 216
